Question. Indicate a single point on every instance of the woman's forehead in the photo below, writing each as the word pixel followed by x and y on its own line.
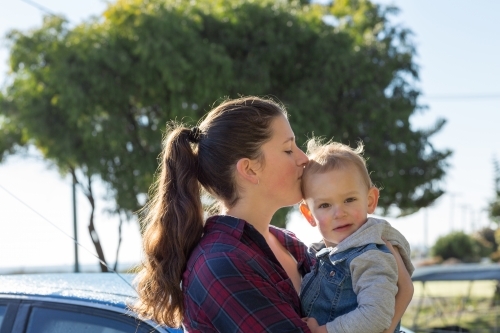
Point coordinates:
pixel 282 130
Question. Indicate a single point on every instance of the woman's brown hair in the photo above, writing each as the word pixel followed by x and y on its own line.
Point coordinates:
pixel 205 157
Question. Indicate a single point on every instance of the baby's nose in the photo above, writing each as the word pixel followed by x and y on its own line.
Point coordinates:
pixel 338 212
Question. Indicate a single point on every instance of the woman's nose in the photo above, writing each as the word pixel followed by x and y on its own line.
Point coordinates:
pixel 302 158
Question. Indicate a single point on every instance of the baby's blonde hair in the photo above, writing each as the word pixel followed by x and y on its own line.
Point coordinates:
pixel 328 156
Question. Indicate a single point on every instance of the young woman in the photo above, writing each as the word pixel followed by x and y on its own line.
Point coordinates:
pixel 238 273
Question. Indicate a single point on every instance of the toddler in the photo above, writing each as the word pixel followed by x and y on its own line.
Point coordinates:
pixel 353 285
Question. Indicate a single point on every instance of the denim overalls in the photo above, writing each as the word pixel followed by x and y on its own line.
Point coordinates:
pixel 327 291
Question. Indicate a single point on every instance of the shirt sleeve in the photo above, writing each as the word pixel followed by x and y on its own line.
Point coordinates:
pixel 230 294
pixel 374 279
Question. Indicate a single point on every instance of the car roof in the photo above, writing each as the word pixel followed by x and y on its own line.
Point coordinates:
pixel 104 288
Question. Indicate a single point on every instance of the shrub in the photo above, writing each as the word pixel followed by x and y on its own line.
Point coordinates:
pixel 485 240
pixel 457 245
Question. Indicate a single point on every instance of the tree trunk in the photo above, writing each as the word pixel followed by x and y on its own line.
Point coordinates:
pixel 93 233
pixel 119 242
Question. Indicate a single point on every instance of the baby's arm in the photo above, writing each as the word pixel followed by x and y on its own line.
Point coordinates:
pixel 374 278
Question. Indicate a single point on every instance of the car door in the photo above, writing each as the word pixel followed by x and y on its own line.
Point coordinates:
pixel 8 311
pixel 37 316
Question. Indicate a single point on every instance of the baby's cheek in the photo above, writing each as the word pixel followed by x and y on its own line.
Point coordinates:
pixel 359 216
pixel 322 221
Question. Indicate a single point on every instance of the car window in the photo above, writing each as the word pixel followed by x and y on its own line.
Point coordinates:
pixel 46 320
pixel 3 309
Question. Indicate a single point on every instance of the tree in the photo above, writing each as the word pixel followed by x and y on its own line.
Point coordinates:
pixel 494 209
pixel 485 239
pixel 494 213
pixel 456 245
pixel 95 97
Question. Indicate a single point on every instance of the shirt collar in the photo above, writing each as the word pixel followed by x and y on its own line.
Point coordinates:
pixel 236 227
pixel 288 239
pixel 227 224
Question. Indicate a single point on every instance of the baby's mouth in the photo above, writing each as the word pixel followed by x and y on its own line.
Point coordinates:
pixel 342 227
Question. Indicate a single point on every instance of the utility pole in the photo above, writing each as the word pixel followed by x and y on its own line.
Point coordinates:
pixel 473 215
pixel 452 209
pixel 426 232
pixel 75 225
pixel 464 216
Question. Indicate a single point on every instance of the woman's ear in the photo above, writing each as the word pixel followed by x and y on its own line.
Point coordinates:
pixel 373 195
pixel 306 212
pixel 245 170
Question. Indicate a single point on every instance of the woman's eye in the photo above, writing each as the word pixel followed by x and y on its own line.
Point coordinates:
pixel 289 152
pixel 324 205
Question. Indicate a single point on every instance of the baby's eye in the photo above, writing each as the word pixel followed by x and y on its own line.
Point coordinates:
pixel 350 200
pixel 324 205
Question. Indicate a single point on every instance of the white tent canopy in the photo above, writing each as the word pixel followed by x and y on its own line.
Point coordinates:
pixel 459 272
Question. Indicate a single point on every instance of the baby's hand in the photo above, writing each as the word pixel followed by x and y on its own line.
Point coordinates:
pixel 314 326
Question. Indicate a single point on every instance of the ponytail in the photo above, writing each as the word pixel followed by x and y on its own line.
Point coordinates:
pixel 174 225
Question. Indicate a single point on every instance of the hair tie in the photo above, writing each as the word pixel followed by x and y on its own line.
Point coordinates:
pixel 194 135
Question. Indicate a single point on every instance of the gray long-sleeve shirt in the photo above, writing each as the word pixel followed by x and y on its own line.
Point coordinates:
pixel 374 279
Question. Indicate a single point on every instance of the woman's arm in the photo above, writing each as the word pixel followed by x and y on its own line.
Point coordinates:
pixel 405 289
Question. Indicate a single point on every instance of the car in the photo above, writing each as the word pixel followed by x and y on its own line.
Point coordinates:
pixel 76 303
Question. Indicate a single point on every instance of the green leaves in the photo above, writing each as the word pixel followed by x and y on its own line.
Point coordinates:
pixel 494 207
pixel 97 96
pixel 457 245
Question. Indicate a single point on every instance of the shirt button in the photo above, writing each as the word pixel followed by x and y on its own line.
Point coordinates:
pixel 332 273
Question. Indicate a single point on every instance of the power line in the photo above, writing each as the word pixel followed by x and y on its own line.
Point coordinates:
pixel 462 96
pixel 65 234
pixel 39 7
pixel 442 97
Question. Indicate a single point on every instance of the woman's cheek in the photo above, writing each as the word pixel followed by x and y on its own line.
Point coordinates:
pixel 283 178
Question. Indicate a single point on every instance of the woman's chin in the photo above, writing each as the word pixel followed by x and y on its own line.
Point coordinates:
pixel 294 201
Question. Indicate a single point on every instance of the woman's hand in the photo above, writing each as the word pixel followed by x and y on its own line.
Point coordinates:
pixel 405 289
pixel 314 326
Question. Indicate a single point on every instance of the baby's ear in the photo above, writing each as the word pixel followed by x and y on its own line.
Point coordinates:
pixel 306 212
pixel 373 195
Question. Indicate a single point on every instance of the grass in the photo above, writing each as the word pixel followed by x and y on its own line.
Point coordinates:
pixel 446 304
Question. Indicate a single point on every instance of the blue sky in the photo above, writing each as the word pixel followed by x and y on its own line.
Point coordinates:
pixel 458 45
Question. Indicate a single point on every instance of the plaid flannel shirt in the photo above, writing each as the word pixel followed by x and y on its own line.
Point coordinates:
pixel 234 283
